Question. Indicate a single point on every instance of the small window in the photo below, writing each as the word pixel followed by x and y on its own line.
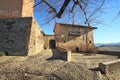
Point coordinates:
pixel 90 41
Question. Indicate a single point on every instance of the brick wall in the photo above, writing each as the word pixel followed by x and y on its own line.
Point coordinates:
pixel 16 8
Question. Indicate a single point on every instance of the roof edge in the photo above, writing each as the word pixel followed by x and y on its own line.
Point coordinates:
pixel 83 26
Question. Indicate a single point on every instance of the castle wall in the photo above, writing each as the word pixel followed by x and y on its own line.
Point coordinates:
pixel 20 36
pixel 16 8
pixel 36 41
pixel 14 35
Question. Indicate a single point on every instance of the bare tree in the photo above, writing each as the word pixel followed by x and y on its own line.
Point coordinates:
pixel 87 9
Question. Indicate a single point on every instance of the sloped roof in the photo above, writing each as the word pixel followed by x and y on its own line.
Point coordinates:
pixel 68 25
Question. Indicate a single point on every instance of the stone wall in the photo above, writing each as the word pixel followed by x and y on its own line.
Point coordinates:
pixel 16 8
pixel 111 69
pixel 36 41
pixel 20 36
pixel 14 35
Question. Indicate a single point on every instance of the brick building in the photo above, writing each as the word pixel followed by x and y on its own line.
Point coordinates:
pixel 76 38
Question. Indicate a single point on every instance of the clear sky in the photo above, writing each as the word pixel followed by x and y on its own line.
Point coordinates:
pixel 107 32
pixel 110 30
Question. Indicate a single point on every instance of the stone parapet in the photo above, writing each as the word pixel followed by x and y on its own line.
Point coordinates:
pixel 111 67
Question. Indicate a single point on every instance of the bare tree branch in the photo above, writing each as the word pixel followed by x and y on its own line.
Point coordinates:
pixel 72 8
pixel 95 11
pixel 85 14
pixel 65 4
pixel 38 4
pixel 116 16
pixel 50 6
pixel 50 19
pixel 89 8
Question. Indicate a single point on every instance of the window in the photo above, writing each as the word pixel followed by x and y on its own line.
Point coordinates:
pixel 90 41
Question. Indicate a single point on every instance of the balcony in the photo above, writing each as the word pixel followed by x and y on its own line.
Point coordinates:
pixel 74 33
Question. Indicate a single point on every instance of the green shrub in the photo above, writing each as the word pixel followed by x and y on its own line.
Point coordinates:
pixel 2 53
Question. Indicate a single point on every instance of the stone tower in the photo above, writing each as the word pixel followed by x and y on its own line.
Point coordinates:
pixel 20 34
pixel 16 8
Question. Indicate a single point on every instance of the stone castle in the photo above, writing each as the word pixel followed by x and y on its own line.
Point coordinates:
pixel 20 34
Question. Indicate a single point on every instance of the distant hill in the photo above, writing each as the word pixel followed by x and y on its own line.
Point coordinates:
pixel 108 46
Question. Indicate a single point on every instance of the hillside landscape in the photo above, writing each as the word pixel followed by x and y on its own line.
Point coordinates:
pixel 108 46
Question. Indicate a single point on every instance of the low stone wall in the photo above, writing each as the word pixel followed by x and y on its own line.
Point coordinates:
pixel 114 53
pixel 111 67
pixel 65 55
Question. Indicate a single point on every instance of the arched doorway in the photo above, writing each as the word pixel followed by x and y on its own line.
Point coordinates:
pixel 52 44
pixel 77 49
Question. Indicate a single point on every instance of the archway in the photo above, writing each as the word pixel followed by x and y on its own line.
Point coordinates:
pixel 77 49
pixel 52 44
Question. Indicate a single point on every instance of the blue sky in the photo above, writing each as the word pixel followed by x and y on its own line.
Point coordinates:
pixel 107 32
pixel 110 30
